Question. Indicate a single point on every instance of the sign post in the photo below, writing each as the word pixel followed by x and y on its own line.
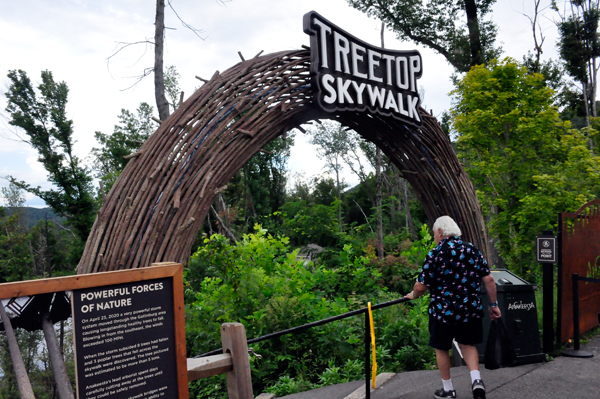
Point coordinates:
pixel 545 250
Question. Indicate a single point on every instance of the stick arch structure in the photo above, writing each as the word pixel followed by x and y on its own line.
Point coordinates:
pixel 157 205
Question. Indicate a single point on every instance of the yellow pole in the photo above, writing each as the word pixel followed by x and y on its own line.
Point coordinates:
pixel 374 372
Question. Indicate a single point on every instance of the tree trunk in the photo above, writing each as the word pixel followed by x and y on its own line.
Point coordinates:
pixel 62 338
pixel 390 192
pixel 339 195
pixel 378 205
pixel 410 226
pixel 594 84
pixel 494 258
pixel 474 36
pixel 23 383
pixel 159 78
pixel 33 263
pixel 379 183
pixel 593 87
pixel 63 385
pixel 586 100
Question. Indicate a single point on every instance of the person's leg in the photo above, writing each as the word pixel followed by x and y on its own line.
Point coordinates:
pixel 443 363
pixel 441 340
pixel 470 356
pixel 467 336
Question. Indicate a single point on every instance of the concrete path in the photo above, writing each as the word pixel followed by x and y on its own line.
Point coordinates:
pixel 562 378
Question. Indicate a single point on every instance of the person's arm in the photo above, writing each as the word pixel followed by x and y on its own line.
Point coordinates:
pixel 418 290
pixel 490 288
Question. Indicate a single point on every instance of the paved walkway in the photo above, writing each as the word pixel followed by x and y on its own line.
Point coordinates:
pixel 562 378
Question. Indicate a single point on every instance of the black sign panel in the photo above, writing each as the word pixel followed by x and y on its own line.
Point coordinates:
pixel 125 341
pixel 351 75
pixel 545 249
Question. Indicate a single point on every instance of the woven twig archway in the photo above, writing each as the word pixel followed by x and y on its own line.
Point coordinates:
pixel 156 208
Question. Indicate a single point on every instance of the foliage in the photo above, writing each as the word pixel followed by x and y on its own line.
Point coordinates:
pixel 405 336
pixel 255 193
pixel 128 135
pixel 527 165
pixel 53 251
pixel 36 361
pixel 400 267
pixel 172 89
pixel 265 177
pixel 209 388
pixel 579 47
pixel 15 258
pixel 259 283
pixel 440 25
pixel 42 115
pixel 310 223
pixel 41 251
pixel 333 145
pixel 44 250
pixel 352 370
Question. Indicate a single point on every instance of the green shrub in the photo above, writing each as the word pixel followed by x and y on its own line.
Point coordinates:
pixel 262 284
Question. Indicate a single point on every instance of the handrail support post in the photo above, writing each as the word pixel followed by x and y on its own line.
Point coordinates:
pixel 239 380
pixel 367 356
pixel 576 351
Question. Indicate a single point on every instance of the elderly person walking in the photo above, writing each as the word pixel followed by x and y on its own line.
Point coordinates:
pixel 453 273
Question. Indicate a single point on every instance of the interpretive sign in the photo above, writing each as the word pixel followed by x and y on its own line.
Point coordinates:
pixel 352 75
pixel 128 328
pixel 546 249
pixel 125 340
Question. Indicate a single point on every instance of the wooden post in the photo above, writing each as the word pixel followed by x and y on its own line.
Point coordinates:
pixel 239 381
pixel 23 383
pixel 63 384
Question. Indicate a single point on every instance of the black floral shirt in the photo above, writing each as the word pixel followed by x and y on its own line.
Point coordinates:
pixel 452 271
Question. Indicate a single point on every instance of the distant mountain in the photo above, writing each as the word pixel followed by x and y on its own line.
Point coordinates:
pixel 33 215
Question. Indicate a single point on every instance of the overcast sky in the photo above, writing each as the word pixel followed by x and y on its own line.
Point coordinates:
pixel 74 38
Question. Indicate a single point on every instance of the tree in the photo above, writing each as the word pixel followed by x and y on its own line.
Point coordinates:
pixel 332 142
pixel 52 249
pixel 16 260
pixel 567 98
pixel 161 79
pixel 172 89
pixel 397 188
pixel 50 133
pixel 254 193
pixel 128 135
pixel 527 165
pixel 440 25
pixel 579 47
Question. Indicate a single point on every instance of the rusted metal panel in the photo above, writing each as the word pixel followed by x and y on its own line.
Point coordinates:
pixel 580 253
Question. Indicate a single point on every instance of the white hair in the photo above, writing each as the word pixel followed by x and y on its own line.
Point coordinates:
pixel 448 226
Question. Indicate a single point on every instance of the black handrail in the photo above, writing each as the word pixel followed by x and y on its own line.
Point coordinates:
pixel 589 279
pixel 299 329
pixel 310 325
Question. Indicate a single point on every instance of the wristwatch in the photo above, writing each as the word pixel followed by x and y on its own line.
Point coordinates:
pixel 493 304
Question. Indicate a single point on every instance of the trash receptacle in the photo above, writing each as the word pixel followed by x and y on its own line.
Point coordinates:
pixel 516 299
